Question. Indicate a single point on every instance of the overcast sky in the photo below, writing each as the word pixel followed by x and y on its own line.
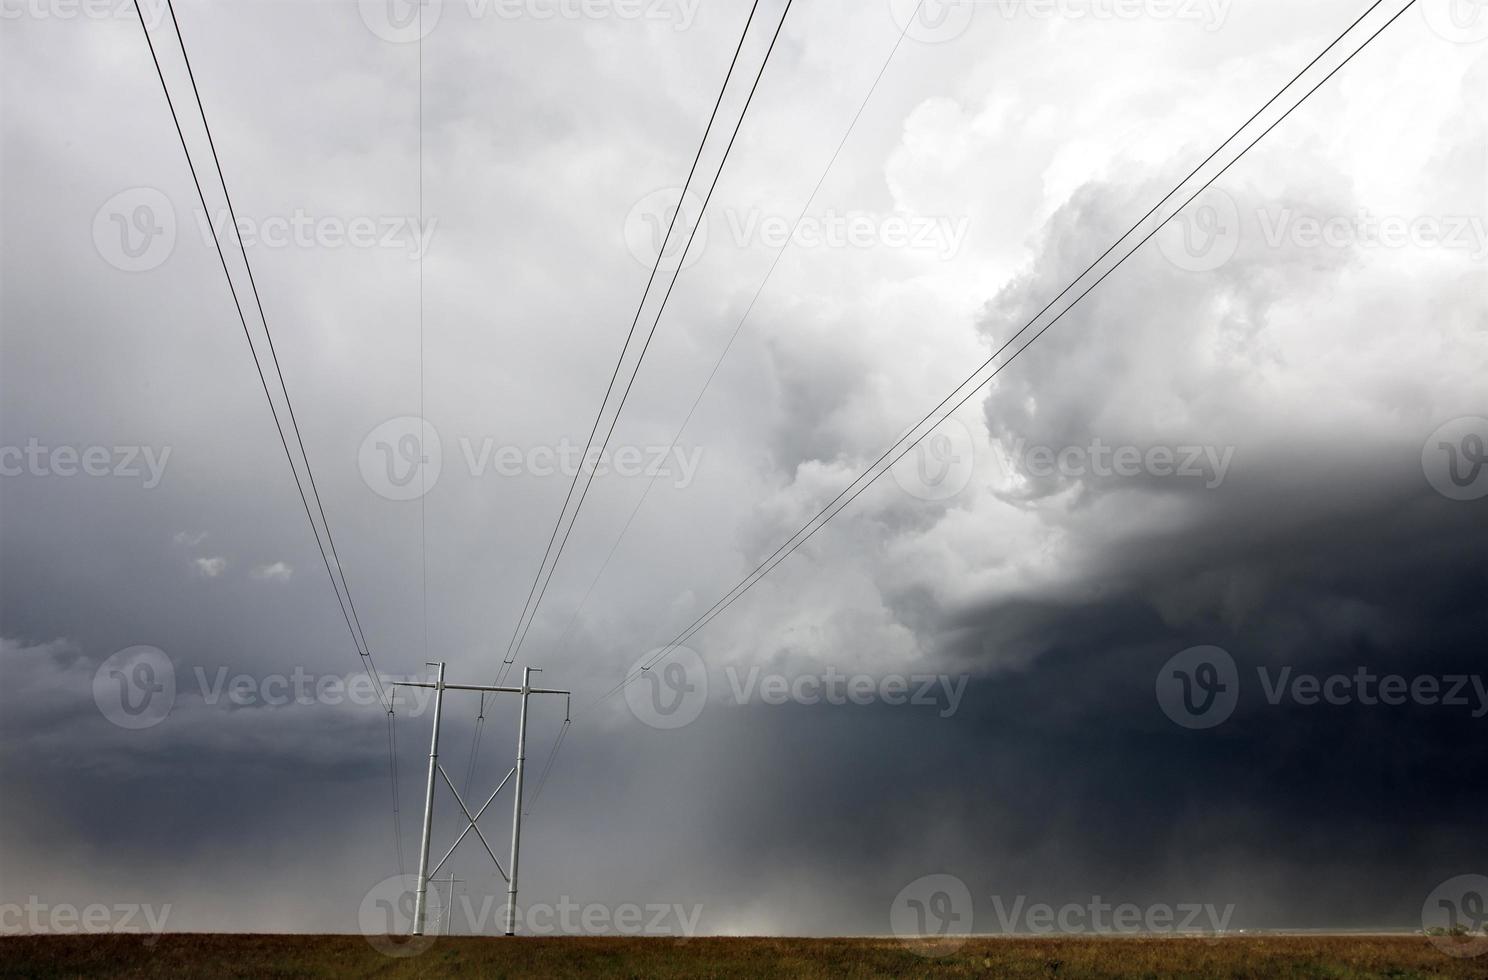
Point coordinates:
pixel 1245 438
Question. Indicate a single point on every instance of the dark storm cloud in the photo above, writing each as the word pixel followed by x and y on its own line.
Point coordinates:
pixel 1058 776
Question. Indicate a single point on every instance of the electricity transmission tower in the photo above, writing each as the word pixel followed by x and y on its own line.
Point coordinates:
pixel 436 770
pixel 445 921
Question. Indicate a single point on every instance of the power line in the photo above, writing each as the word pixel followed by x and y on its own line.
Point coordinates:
pixel 542 780
pixel 509 657
pixel 393 774
pixel 423 470
pixel 661 310
pixel 353 621
pixel 738 328
pixel 529 606
pixel 519 634
pixel 269 336
pixel 348 608
pixel 827 513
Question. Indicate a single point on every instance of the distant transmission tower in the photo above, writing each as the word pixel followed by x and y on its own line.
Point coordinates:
pixel 436 770
pixel 443 922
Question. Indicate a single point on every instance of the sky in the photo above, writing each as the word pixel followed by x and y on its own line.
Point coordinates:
pixel 1183 610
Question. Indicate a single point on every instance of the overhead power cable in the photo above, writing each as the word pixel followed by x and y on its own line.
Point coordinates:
pixel 976 382
pixel 739 327
pixel 546 570
pixel 539 584
pixel 547 768
pixel 330 557
pixel 393 777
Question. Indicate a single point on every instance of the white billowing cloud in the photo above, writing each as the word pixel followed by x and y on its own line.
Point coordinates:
pixel 1289 360
pixel 209 567
pixel 189 539
pixel 275 572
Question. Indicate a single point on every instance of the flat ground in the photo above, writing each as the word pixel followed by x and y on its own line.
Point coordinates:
pixel 198 955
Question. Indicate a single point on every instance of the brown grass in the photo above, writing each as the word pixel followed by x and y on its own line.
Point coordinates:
pixel 201 955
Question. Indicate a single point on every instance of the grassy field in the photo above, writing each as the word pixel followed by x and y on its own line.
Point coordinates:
pixel 189 955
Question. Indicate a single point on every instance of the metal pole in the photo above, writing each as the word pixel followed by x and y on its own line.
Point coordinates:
pixel 420 901
pixel 511 884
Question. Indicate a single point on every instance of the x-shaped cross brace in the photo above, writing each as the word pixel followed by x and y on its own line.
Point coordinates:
pixel 471 824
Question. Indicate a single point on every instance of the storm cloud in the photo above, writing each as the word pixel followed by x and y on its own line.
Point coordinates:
pixel 1240 451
